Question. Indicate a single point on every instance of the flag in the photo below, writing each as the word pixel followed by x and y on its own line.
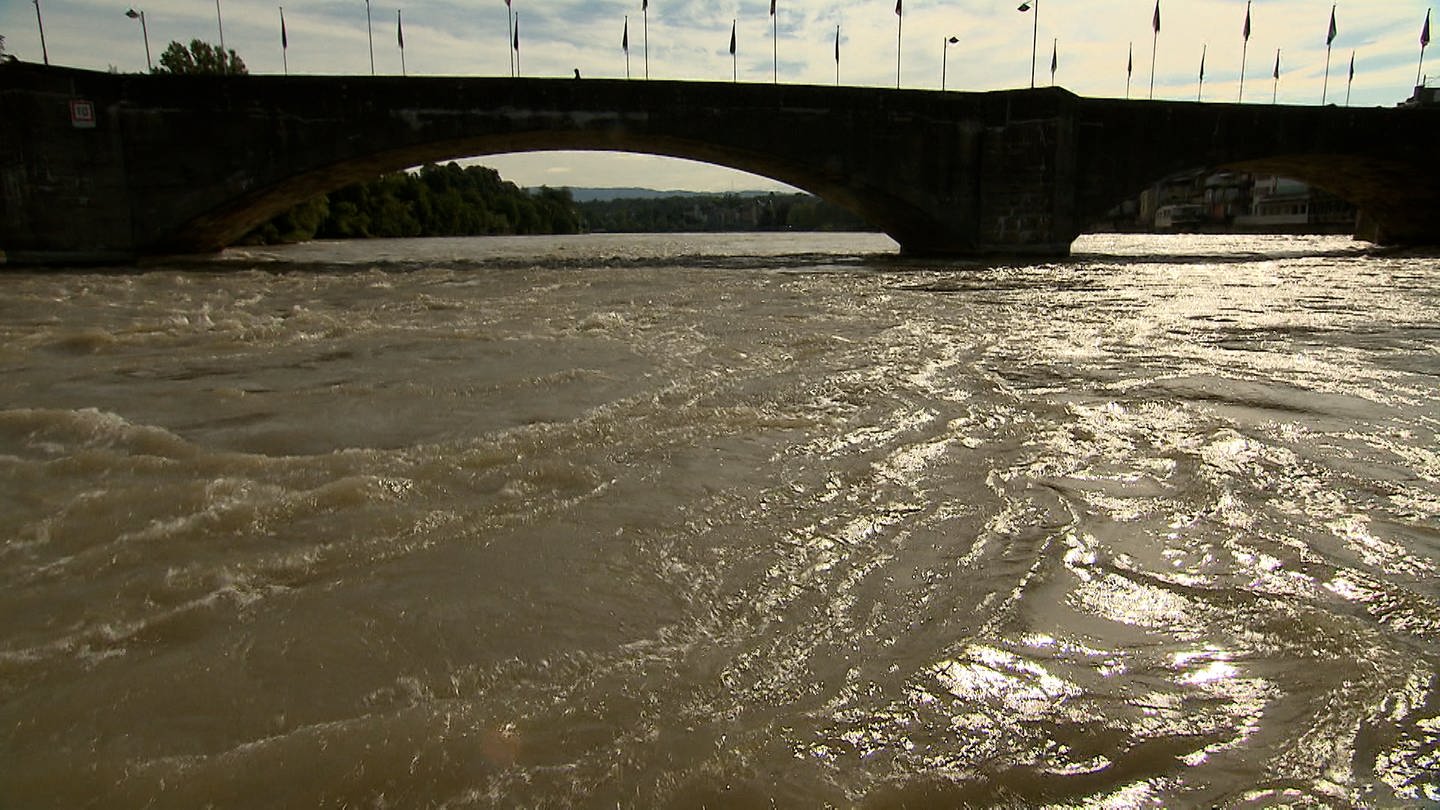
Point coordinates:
pixel 1277 65
pixel 1155 22
pixel 399 30
pixel 1054 58
pixel 1352 66
pixel 507 2
pixel 1130 61
pixel 515 43
pixel 644 5
pixel 284 40
pixel 1425 32
pixel 772 8
pixel 1202 62
pixel 1330 37
pixel 625 40
pixel 732 37
pixel 837 44
pixel 897 6
pixel 1247 22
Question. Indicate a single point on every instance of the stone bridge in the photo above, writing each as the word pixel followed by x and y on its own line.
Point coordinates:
pixel 98 167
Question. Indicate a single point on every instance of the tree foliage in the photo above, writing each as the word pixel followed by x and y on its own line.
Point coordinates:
pixel 718 212
pixel 450 200
pixel 435 201
pixel 199 57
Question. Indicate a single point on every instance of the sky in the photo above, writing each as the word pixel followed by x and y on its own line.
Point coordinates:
pixel 689 40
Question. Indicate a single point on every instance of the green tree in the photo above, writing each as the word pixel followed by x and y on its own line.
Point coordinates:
pixel 199 57
pixel 299 224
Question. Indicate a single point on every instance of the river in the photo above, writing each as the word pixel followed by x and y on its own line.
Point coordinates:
pixel 723 521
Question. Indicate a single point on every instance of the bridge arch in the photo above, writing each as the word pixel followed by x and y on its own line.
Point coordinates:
pixel 1375 188
pixel 1375 158
pixel 232 220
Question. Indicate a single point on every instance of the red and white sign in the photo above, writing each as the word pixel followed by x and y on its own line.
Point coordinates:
pixel 82 114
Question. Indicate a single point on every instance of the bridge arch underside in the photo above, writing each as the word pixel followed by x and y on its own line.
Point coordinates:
pixel 235 217
pixel 1393 208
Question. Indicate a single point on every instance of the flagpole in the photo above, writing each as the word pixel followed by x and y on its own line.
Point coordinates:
pixel 645 15
pixel 515 41
pixel 837 54
pixel 774 45
pixel 370 35
pixel 1154 46
pixel 284 43
pixel 1129 70
pixel 1200 90
pixel 734 60
pixel 400 38
pixel 510 35
pixel 1054 59
pixel 899 32
pixel 1350 81
pixel 1275 93
pixel 1244 52
pixel 1424 40
pixel 45 53
pixel 625 44
pixel 1325 87
pixel 1329 41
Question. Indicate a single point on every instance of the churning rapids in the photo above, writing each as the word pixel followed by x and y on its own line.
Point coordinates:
pixel 723 521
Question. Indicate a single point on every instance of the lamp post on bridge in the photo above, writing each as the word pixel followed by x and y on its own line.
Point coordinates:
pixel 944 57
pixel 1034 38
pixel 40 22
pixel 144 32
pixel 220 21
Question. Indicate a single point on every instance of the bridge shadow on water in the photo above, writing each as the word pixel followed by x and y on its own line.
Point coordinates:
pixel 959 274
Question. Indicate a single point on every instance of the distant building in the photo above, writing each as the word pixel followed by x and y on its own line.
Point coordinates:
pixel 1281 205
pixel 1235 201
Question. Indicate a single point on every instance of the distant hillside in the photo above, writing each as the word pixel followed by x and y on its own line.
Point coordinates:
pixel 668 212
pixel 581 195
